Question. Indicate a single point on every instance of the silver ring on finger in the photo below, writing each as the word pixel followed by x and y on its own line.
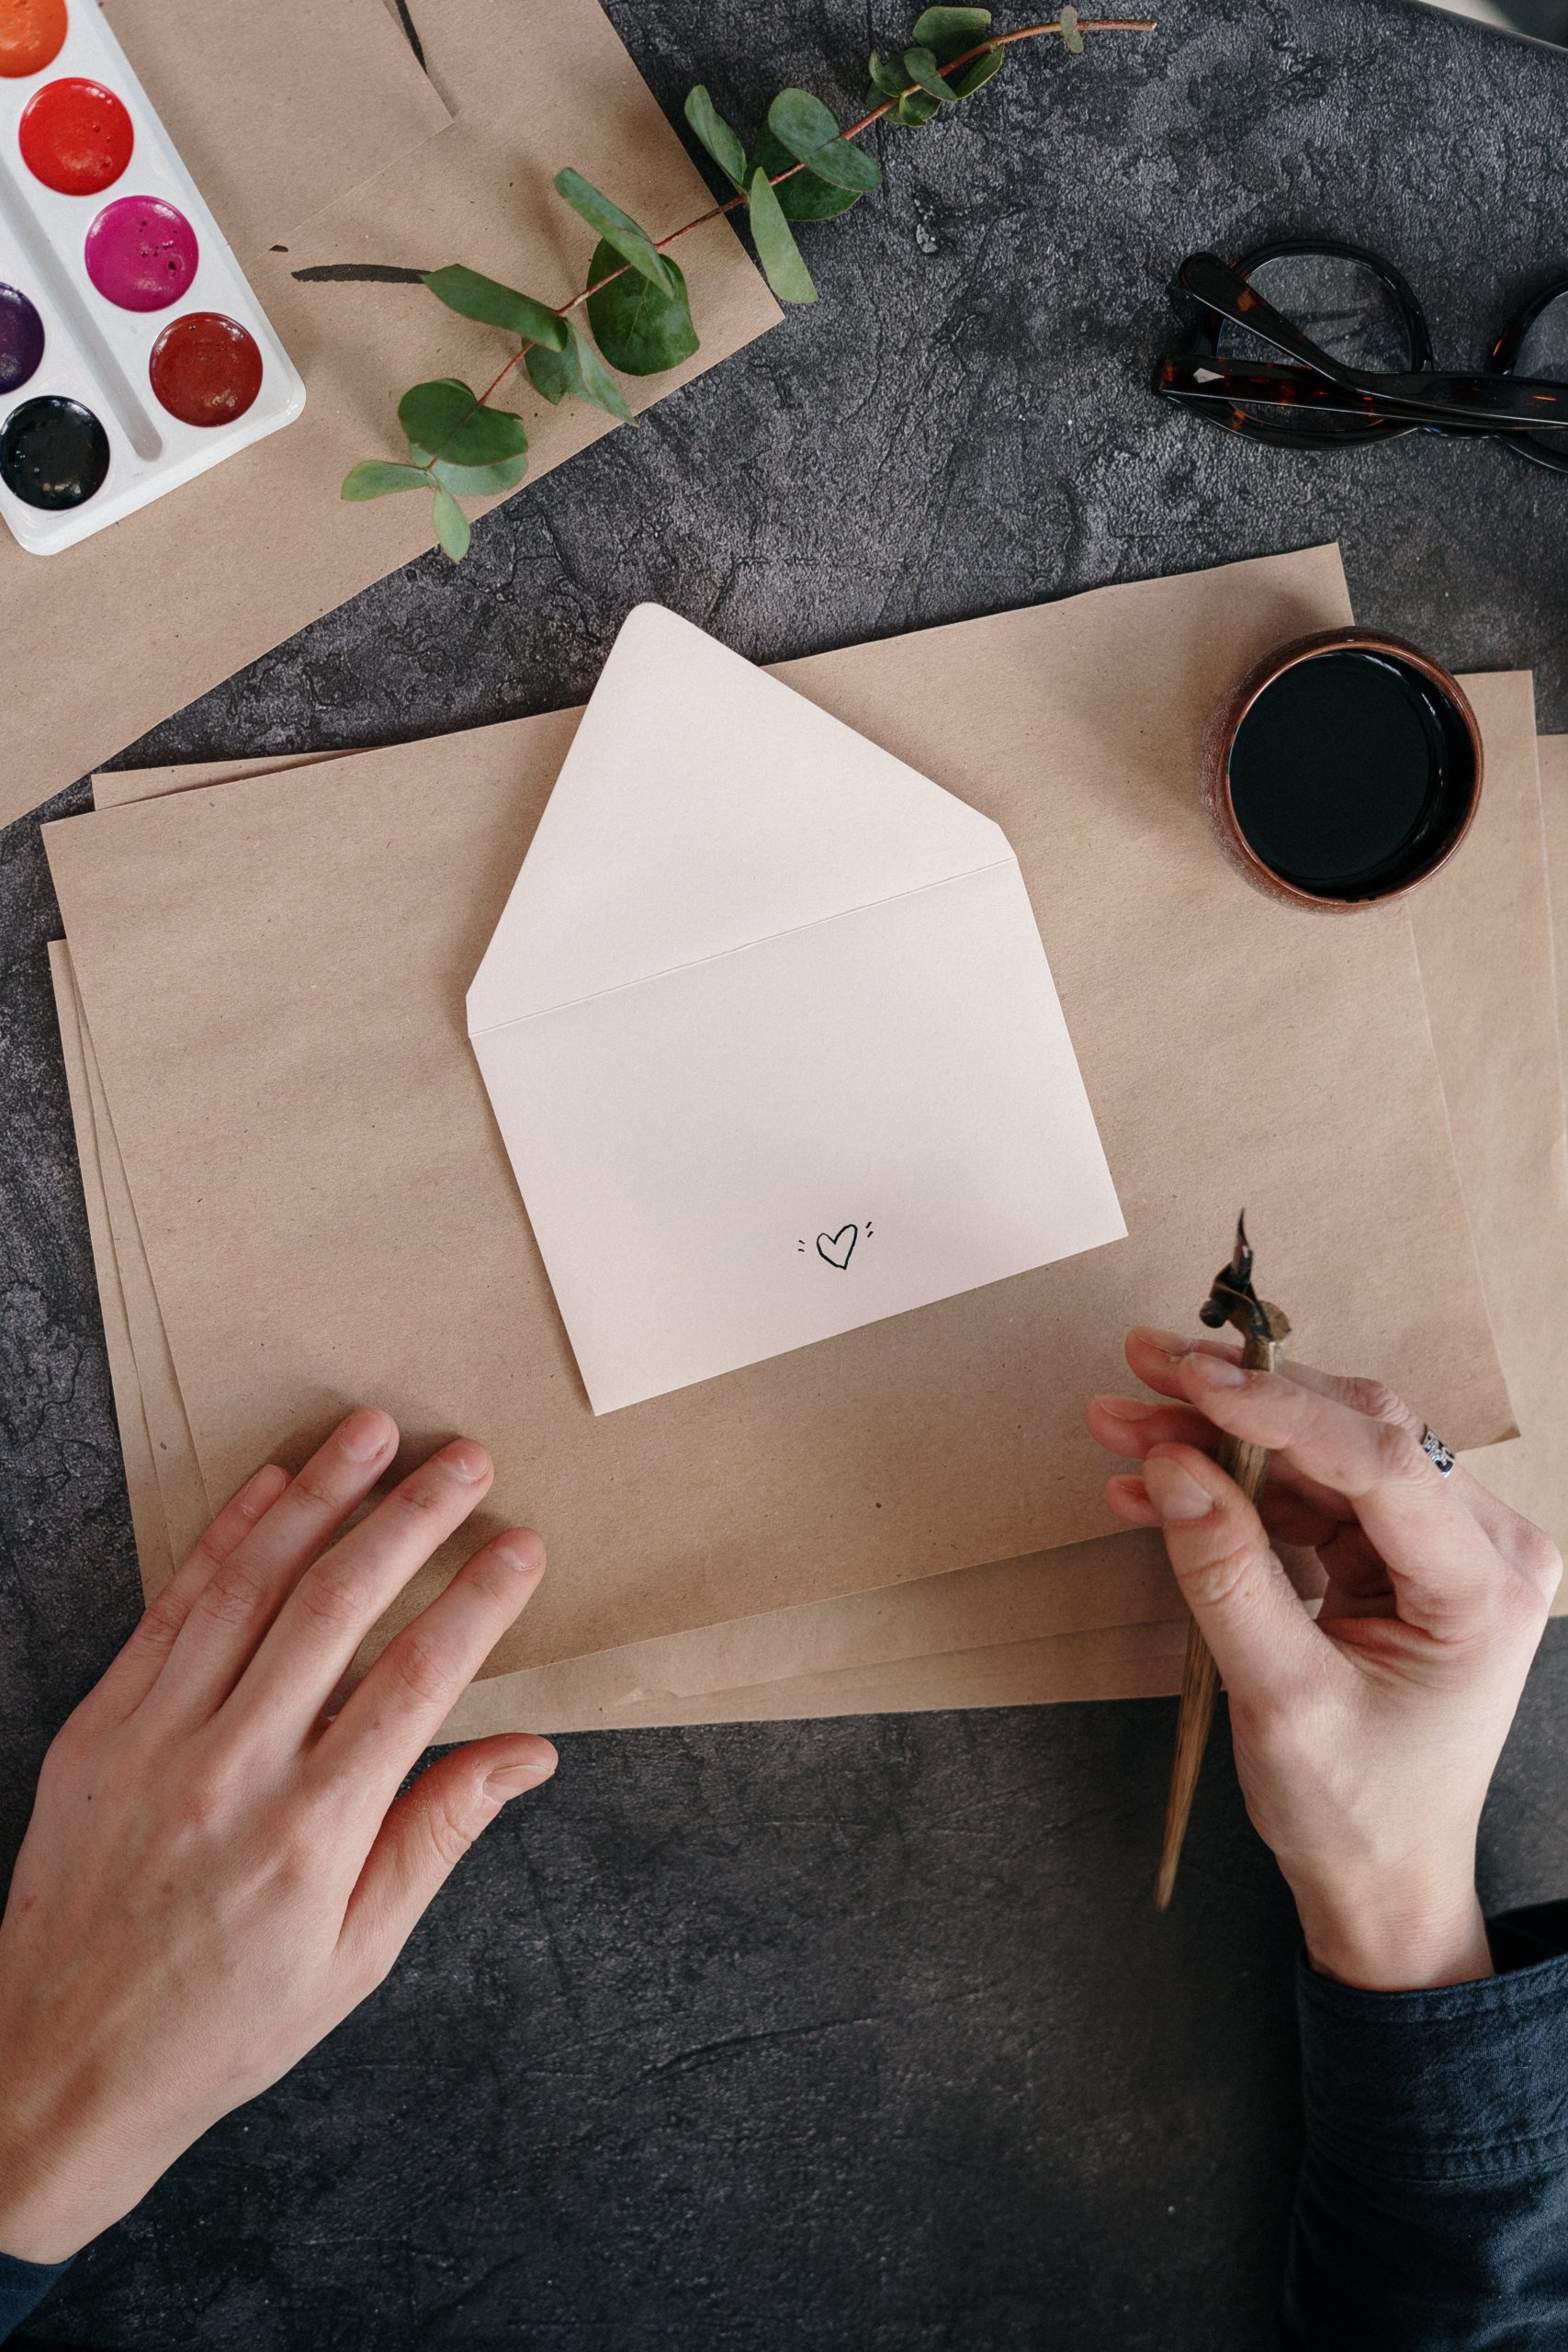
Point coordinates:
pixel 1439 1455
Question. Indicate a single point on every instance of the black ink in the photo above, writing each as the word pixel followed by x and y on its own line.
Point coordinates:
pixel 358 273
pixel 828 1244
pixel 411 33
pixel 1350 773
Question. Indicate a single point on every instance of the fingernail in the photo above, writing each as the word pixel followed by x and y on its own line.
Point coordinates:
pixel 1173 1491
pixel 260 1492
pixel 1216 1372
pixel 1125 1409
pixel 1169 1343
pixel 468 1459
pixel 364 1434
pixel 515 1779
pixel 521 1549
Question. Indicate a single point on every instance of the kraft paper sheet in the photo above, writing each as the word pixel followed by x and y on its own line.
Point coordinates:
pixel 1097 1619
pixel 950 1432
pixel 319 141
pixel 1485 939
pixel 1553 752
pixel 148 1521
pixel 279 111
pixel 1120 1662
pixel 1485 936
pixel 182 1493
pixel 661 1681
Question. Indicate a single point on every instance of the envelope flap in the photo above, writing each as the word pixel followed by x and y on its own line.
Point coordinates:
pixel 704 806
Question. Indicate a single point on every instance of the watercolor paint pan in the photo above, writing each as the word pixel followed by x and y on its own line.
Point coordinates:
pixel 133 355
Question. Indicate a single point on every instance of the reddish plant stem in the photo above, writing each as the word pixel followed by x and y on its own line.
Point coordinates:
pixel 717 212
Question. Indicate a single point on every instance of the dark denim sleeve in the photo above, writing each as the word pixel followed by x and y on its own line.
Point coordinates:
pixel 23 2285
pixel 1432 2210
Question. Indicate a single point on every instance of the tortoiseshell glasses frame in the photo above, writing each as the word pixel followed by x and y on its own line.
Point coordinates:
pixel 1290 403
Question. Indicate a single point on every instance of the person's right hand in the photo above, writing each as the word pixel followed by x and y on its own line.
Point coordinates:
pixel 217 1871
pixel 1365 1742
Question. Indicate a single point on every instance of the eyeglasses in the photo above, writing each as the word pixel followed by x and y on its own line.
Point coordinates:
pixel 1313 343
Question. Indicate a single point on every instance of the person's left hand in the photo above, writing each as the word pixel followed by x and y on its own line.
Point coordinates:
pixel 215 1872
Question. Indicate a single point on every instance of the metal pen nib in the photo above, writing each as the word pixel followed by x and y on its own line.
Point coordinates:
pixel 1233 1300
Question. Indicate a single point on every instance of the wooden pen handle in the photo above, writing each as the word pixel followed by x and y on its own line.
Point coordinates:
pixel 1248 1465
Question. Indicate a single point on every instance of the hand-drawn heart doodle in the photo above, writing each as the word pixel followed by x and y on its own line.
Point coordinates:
pixel 835 1248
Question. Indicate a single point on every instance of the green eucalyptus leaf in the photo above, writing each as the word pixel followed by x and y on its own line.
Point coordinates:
pixel 445 417
pixel 803 197
pixel 451 525
pixel 632 243
pixel 495 305
pixel 722 143
pixel 948 32
pixel 554 373
pixel 557 373
pixel 887 81
pixel 975 77
pixel 379 478
pixel 915 109
pixel 810 131
pixel 475 481
pixel 802 122
pixel 920 65
pixel 639 330
pixel 594 381
pixel 1072 40
pixel 776 248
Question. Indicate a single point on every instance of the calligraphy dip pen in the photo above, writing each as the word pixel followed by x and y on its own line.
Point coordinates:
pixel 1264 1330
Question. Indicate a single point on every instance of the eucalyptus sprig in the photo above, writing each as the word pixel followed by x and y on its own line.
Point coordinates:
pixel 637 313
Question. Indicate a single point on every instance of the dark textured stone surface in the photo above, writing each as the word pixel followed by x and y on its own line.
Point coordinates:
pixel 859 2035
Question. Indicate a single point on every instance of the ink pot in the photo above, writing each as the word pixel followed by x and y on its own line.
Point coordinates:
pixel 1345 769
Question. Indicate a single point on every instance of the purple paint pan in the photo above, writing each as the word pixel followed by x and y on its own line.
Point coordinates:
pixel 21 339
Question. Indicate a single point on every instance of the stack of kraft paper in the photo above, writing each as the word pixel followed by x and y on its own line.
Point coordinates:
pixel 309 1186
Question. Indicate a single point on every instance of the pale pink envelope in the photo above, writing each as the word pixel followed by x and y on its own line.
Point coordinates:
pixel 769 1032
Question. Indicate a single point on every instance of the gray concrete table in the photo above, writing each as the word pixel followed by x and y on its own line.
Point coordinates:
pixel 862 2034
